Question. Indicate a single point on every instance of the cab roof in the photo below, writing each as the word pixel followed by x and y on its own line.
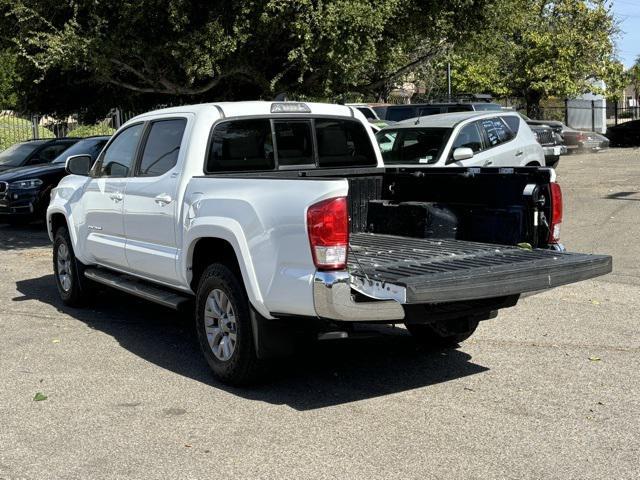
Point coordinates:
pixel 251 108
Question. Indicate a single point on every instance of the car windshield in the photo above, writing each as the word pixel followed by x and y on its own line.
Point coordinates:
pixel 412 146
pixel 90 146
pixel 15 155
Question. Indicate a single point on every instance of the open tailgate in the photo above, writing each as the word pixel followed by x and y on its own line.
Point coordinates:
pixel 414 270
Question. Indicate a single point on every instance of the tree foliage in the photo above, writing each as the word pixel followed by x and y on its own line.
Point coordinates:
pixel 541 48
pixel 187 49
pixel 9 79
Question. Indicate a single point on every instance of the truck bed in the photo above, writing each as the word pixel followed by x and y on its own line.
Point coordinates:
pixel 415 270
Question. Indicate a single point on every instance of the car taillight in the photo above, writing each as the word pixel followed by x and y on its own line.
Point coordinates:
pixel 556 213
pixel 328 227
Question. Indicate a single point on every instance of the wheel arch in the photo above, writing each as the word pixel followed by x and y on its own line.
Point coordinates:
pixel 206 250
pixel 54 222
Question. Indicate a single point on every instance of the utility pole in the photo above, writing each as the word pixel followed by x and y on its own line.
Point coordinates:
pixel 449 81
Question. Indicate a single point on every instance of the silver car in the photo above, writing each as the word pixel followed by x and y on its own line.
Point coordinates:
pixel 463 139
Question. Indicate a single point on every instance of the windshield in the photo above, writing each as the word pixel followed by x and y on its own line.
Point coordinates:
pixel 15 155
pixel 412 146
pixel 91 147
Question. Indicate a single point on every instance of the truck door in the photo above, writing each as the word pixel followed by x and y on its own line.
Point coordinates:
pixel 102 200
pixel 150 202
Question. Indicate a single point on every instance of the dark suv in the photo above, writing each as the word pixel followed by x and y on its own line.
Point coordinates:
pixel 25 191
pixel 398 113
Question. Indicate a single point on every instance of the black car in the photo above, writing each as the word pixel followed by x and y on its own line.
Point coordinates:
pixel 25 191
pixel 33 152
pixel 625 134
pixel 398 113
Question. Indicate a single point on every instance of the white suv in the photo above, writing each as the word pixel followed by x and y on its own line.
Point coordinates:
pixel 464 139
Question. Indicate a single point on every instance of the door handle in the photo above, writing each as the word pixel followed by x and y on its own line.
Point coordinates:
pixel 519 153
pixel 163 199
pixel 488 163
pixel 116 197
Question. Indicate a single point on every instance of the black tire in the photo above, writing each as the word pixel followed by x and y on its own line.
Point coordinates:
pixel 77 291
pixel 447 334
pixel 553 162
pixel 242 366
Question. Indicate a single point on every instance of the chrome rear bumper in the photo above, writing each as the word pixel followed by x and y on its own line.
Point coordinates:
pixel 333 300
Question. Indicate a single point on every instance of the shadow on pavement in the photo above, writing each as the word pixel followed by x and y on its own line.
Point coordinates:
pixel 328 373
pixel 23 236
pixel 622 196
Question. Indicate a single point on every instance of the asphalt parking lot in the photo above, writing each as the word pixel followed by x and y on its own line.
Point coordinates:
pixel 549 389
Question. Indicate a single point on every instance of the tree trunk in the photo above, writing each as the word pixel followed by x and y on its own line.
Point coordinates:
pixel 533 97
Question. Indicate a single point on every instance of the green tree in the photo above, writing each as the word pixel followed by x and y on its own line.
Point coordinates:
pixel 540 48
pixel 191 50
pixel 633 78
pixel 9 79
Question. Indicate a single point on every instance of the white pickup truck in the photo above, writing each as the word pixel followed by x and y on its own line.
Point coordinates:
pixel 277 219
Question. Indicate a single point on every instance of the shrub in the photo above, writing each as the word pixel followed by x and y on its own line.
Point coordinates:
pixel 90 130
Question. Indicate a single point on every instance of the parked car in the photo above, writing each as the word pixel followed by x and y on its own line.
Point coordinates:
pixel 368 112
pixel 398 113
pixel 552 144
pixel 380 109
pixel 280 218
pixel 33 152
pixel 25 191
pixel 461 140
pixel 574 140
pixel 577 141
pixel 625 134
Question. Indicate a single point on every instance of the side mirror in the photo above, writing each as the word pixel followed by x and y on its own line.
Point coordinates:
pixel 463 153
pixel 79 165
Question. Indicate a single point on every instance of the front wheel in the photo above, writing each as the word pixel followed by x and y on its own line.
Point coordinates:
pixel 446 334
pixel 223 325
pixel 73 286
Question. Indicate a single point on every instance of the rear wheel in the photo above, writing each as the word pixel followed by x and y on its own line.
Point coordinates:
pixel 223 325
pixel 73 287
pixel 553 162
pixel 446 334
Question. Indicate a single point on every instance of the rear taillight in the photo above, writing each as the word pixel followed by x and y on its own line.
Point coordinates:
pixel 328 227
pixel 556 213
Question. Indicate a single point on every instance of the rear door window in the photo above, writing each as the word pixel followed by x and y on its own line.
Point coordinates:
pixel 241 145
pixel 343 143
pixel 294 143
pixel 513 123
pixel 496 131
pixel 162 147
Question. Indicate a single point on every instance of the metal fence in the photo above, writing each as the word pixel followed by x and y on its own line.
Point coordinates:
pixel 587 115
pixel 18 127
